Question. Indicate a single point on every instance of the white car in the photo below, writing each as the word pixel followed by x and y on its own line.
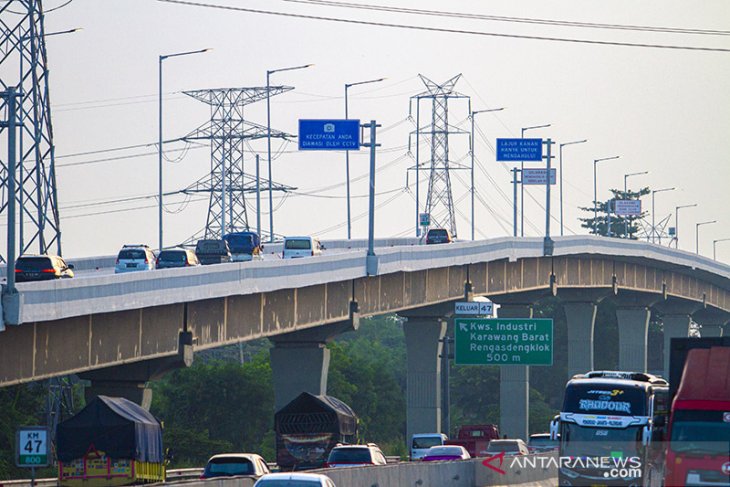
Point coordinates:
pixel 235 464
pixel 135 257
pixel 509 447
pixel 295 247
pixel 294 480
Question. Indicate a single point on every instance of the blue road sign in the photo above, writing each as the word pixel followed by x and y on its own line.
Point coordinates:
pixel 519 150
pixel 329 134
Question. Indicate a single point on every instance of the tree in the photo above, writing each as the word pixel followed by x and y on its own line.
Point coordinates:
pixel 620 227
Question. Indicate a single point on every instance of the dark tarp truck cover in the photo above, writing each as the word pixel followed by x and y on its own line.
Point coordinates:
pixel 114 425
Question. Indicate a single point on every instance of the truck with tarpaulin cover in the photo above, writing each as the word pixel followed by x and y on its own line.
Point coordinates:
pixel 309 427
pixel 111 442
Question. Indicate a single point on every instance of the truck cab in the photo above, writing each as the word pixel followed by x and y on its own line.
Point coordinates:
pixel 421 442
pixel 698 451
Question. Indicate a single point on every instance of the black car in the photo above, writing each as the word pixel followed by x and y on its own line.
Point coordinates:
pixel 438 236
pixel 41 268
pixel 213 251
pixel 176 258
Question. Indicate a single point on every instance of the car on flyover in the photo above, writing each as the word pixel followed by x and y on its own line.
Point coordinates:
pixel 355 456
pixel 446 452
pixel 438 236
pixel 294 480
pixel 177 257
pixel 296 247
pixel 42 268
pixel 234 465
pixel 134 257
pixel 212 251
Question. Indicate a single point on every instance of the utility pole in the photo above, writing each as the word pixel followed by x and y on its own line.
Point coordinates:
pixel 676 222
pixel 9 96
pixel 548 243
pixel 522 186
pixel 514 199
pixel 347 153
pixel 24 35
pixel 439 198
pixel 626 192
pixel 371 262
pixel 227 132
pixel 472 146
pixel 561 178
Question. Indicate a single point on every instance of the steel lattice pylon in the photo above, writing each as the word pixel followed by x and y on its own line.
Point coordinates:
pixel 23 60
pixel 227 182
pixel 439 198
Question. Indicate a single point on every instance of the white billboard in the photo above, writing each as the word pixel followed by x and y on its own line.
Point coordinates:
pixel 627 207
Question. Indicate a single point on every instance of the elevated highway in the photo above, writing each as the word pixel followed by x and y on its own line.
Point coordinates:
pixel 121 330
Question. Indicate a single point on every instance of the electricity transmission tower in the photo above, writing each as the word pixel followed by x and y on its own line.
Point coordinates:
pixel 23 65
pixel 439 197
pixel 228 133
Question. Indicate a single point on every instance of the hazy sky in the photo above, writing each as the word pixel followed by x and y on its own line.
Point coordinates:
pixel 666 111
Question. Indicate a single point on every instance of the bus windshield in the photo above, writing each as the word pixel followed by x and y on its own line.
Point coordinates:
pixel 609 399
pixel 599 442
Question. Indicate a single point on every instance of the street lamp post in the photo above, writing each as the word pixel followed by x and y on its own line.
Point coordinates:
pixel 522 186
pixel 561 178
pixel 676 222
pixel 268 140
pixel 471 116
pixel 653 219
pixel 159 140
pixel 697 234
pixel 595 191
pixel 714 246
pixel 347 153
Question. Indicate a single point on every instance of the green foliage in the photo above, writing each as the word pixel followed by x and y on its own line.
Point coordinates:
pixel 367 371
pixel 21 405
pixel 214 407
pixel 620 227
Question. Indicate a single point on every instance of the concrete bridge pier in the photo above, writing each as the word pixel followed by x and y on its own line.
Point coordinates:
pixel 676 318
pixel 633 335
pixel 712 322
pixel 130 380
pixel 514 385
pixel 581 319
pixel 300 360
pixel 423 336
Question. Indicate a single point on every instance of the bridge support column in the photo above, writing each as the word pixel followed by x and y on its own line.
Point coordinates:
pixel 297 368
pixel 581 318
pixel 712 322
pixel 675 326
pixel 130 380
pixel 423 379
pixel 514 385
pixel 633 333
pixel 300 359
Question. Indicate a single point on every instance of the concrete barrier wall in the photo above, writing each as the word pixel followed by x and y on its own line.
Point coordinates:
pixel 53 300
pixel 421 474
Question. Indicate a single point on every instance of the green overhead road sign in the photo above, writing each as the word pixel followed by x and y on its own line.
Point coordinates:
pixel 514 341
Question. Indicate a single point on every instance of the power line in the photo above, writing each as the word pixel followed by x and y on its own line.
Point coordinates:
pixel 527 20
pixel 445 30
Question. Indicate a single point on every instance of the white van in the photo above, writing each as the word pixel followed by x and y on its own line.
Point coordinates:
pixel 421 442
pixel 295 247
